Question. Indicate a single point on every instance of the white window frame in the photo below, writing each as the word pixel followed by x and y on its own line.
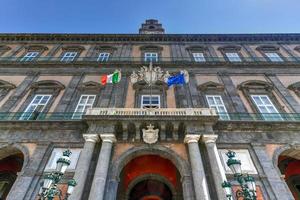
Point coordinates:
pixel 85 105
pixel 69 56
pixel 150 57
pixel 268 115
pixel 217 107
pixel 150 97
pixel 198 57
pixel 34 104
pixel 233 56
pixel 274 57
pixel 103 57
pixel 30 56
pixel 241 154
pixel 57 153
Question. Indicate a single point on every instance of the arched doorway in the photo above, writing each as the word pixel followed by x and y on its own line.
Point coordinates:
pixel 150 177
pixel 150 190
pixel 289 166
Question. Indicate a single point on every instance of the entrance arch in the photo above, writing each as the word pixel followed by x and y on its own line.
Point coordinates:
pixel 11 162
pixel 288 162
pixel 178 180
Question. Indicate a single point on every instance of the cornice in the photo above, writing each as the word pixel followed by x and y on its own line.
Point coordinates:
pixel 45 37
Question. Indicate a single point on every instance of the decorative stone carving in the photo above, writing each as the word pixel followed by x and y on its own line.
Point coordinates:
pixel 149 75
pixel 190 138
pixel 91 138
pixel 150 136
pixel 111 138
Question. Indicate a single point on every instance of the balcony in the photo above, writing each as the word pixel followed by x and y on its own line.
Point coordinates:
pixel 162 60
pixel 155 114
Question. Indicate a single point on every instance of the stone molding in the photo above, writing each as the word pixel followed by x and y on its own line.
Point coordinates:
pixel 209 138
pixel 91 138
pixel 111 138
pixel 139 37
pixel 192 138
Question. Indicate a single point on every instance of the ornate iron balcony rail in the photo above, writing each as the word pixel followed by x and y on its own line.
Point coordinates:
pixel 139 60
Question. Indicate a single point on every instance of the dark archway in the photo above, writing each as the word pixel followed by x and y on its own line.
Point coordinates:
pixel 289 166
pixel 150 190
pixel 11 162
pixel 150 176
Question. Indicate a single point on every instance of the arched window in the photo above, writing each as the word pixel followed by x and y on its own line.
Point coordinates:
pixel 42 95
pixel 271 53
pixel 70 52
pixel 231 53
pixel 103 53
pixel 262 99
pixel 87 96
pixel 154 97
pixel 215 98
pixel 150 53
pixel 198 53
pixel 32 52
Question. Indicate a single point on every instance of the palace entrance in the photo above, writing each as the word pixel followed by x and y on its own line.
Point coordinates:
pixel 289 165
pixel 150 177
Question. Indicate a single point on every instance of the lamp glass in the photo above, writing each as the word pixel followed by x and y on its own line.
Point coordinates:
pixel 236 168
pixel 62 164
pixel 48 180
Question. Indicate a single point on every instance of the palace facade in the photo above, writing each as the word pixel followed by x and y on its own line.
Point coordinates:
pixel 243 94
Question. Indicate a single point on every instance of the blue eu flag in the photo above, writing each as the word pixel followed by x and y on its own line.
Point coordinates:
pixel 177 79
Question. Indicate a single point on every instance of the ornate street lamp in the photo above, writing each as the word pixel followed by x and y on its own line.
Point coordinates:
pixel 246 182
pixel 49 189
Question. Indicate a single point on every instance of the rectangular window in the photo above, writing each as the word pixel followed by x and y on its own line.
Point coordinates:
pixel 151 57
pixel 198 57
pixel 150 101
pixel 85 102
pixel 266 108
pixel 68 56
pixel 103 57
pixel 57 153
pixel 274 57
pixel 36 106
pixel 29 56
pixel 216 102
pixel 233 57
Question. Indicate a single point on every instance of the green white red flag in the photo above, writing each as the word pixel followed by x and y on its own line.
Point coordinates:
pixel 111 78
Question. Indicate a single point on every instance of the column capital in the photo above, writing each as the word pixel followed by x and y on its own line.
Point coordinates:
pixel 189 138
pixel 209 138
pixel 108 137
pixel 91 137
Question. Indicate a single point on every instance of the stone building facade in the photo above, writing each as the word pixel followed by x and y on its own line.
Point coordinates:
pixel 243 94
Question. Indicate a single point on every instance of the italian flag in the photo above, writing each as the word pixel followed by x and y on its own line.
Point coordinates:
pixel 111 78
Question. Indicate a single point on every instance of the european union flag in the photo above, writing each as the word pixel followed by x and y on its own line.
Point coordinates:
pixel 177 79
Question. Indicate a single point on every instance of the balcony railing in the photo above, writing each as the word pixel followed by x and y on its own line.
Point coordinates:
pixel 151 112
pixel 127 112
pixel 162 60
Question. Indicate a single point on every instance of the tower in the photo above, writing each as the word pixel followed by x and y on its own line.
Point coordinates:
pixel 151 26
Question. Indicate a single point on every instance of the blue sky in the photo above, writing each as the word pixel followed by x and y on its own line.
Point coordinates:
pixel 125 16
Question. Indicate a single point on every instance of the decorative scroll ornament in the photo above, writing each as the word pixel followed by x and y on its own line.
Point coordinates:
pixel 149 74
pixel 150 136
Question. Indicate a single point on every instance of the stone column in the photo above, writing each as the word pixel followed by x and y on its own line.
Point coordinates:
pixel 83 164
pixel 277 185
pixel 199 179
pixel 215 163
pixel 99 181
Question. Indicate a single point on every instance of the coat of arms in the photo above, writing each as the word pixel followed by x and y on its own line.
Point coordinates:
pixel 150 135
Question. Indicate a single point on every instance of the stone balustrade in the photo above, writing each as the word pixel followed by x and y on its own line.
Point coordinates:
pixel 151 112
